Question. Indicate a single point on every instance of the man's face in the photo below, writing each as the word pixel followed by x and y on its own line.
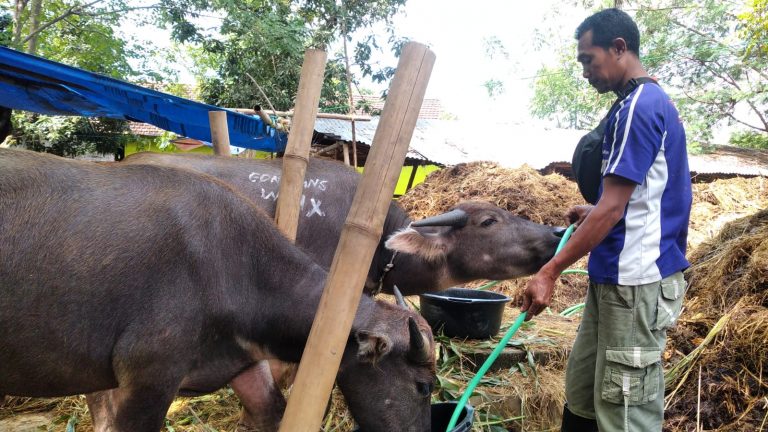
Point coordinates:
pixel 600 65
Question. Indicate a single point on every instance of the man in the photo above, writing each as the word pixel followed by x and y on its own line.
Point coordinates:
pixel 636 237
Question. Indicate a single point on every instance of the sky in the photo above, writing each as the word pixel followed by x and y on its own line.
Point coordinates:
pixel 457 33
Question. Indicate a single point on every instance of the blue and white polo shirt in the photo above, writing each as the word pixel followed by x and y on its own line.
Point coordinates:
pixel 644 142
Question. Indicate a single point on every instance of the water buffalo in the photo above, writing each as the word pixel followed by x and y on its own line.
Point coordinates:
pixel 134 283
pixel 475 241
pixel 484 242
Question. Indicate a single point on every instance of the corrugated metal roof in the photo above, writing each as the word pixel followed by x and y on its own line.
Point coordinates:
pixel 430 108
pixel 451 142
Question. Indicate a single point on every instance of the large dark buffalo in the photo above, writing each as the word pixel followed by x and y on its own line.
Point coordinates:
pixel 475 241
pixel 140 282
pixel 483 242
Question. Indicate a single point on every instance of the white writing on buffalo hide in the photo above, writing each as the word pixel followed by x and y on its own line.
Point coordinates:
pixel 267 180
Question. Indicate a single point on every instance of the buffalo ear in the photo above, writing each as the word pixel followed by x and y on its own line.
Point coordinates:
pixel 430 247
pixel 372 346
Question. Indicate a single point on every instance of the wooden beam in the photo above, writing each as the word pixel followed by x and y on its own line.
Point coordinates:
pixel 328 149
pixel 299 140
pixel 219 133
pixel 345 149
pixel 292 114
pixel 359 238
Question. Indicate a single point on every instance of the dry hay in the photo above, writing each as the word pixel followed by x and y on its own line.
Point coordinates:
pixel 215 412
pixel 722 201
pixel 525 395
pixel 522 191
pixel 723 334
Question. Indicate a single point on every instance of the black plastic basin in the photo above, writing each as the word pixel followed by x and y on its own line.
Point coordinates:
pixel 463 312
pixel 441 415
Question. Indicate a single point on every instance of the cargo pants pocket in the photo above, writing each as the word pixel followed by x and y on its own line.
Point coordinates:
pixel 631 375
pixel 670 302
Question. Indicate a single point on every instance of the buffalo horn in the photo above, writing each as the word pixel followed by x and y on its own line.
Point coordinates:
pixel 455 218
pixel 399 297
pixel 419 346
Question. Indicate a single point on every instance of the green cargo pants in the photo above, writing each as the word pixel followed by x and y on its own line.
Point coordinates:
pixel 614 371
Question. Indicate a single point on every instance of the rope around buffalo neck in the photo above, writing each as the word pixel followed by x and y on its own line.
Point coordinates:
pixel 386 270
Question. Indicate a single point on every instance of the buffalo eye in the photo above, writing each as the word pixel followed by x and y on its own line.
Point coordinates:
pixel 488 222
pixel 424 389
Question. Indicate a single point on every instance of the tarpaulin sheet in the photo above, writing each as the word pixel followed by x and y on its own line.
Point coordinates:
pixel 31 83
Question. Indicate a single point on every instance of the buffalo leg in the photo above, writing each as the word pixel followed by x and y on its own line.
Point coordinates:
pixel 129 409
pixel 263 402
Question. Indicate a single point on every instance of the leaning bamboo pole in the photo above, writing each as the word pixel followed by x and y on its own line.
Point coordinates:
pixel 219 132
pixel 296 155
pixel 360 235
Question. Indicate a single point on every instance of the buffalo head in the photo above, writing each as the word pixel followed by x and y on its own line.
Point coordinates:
pixel 477 240
pixel 388 371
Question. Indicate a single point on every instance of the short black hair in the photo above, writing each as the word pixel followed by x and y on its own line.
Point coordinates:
pixel 609 24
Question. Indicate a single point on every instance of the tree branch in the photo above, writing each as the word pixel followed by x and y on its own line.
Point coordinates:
pixel 727 113
pixel 73 10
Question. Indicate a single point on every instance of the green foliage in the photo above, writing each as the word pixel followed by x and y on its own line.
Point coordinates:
pixel 701 56
pixel 750 139
pixel 266 39
pixel 6 22
pixel 562 95
pixel 709 55
pixel 754 28
pixel 69 136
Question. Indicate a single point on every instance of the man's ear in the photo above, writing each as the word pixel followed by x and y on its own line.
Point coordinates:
pixel 620 45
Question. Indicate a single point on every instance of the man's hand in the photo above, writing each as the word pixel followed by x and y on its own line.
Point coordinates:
pixel 538 293
pixel 577 214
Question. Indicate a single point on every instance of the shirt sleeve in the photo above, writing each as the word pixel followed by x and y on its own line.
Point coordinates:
pixel 636 137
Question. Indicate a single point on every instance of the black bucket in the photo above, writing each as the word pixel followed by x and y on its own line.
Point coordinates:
pixel 441 416
pixel 464 313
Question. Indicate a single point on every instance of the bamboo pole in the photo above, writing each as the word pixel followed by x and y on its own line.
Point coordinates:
pixel 219 133
pixel 297 151
pixel 360 235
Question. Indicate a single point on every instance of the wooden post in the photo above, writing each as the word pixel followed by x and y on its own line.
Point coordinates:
pixel 299 140
pixel 360 235
pixel 345 150
pixel 219 133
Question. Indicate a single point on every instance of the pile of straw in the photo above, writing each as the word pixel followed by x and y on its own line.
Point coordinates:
pixel 514 396
pixel 522 191
pixel 723 201
pixel 719 380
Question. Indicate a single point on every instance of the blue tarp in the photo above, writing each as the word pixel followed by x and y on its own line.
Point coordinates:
pixel 35 84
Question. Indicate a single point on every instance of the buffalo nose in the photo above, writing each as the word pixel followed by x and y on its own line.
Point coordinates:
pixel 559 231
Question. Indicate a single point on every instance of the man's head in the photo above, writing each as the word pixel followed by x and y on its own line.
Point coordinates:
pixel 609 49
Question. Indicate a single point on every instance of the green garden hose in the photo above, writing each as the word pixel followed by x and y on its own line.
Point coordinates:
pixel 502 343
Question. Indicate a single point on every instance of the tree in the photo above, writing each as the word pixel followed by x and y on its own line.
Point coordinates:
pixel 267 39
pixel 707 55
pixel 702 55
pixel 80 34
pixel 562 95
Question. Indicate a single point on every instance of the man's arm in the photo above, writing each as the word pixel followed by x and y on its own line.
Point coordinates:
pixel 598 223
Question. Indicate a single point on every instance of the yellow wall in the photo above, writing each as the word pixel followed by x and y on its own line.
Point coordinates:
pixel 405 174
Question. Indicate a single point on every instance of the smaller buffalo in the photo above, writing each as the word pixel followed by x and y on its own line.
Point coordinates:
pixel 135 283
